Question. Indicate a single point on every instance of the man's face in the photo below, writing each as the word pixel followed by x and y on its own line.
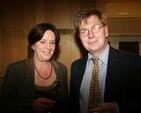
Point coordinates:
pixel 93 35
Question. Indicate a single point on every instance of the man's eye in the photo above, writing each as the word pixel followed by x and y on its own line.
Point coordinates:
pixel 96 27
pixel 83 31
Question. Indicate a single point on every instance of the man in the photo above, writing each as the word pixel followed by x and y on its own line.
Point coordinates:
pixel 119 71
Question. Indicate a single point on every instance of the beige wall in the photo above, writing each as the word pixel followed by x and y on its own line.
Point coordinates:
pixel 17 17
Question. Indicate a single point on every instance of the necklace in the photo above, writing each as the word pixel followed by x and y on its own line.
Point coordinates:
pixel 40 74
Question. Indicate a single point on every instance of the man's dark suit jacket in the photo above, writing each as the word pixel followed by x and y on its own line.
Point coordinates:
pixel 123 81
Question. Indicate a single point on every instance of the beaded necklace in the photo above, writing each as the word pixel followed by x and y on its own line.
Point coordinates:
pixel 42 76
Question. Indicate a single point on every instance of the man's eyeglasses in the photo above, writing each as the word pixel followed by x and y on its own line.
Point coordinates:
pixel 95 29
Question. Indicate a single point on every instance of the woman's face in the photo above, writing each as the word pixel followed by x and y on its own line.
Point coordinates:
pixel 44 48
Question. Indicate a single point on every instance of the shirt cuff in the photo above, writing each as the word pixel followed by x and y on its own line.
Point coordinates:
pixel 118 111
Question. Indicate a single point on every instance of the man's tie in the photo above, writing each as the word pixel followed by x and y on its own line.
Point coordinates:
pixel 94 96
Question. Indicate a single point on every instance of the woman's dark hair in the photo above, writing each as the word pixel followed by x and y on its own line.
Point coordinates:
pixel 36 34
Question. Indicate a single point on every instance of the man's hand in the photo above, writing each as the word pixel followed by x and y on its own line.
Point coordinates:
pixel 109 107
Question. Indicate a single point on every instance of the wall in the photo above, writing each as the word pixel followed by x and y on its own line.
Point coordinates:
pixel 124 20
pixel 17 17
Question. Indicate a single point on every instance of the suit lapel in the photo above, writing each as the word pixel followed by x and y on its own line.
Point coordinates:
pixel 81 71
pixel 112 70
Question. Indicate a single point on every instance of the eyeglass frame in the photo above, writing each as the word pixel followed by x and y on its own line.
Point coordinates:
pixel 86 31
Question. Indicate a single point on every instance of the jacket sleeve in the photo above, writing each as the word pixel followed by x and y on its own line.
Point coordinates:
pixel 11 98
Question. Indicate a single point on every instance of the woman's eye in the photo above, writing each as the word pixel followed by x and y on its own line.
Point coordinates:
pixel 52 42
pixel 42 42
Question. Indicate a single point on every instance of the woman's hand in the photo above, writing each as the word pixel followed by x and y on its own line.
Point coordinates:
pixel 40 105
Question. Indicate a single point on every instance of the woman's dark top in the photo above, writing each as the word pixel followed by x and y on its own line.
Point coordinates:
pixel 53 92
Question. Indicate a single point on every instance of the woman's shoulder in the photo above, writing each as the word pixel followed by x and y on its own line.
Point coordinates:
pixel 58 64
pixel 20 62
pixel 19 65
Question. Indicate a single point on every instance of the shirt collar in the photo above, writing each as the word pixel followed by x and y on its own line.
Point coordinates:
pixel 103 57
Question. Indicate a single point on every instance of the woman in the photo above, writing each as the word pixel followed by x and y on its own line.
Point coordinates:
pixel 37 84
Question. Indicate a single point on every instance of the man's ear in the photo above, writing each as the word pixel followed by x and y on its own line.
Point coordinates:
pixel 106 31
